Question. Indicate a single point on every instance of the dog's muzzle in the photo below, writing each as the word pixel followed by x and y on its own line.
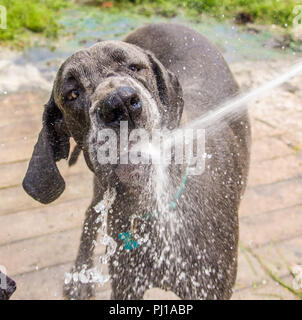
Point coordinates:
pixel 123 104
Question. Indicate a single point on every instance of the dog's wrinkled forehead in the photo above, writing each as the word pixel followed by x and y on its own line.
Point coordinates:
pixel 117 51
pixel 101 60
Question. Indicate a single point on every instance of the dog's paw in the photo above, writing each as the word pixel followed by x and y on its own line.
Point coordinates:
pixel 74 289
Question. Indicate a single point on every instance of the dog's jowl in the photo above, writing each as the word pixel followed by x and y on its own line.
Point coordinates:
pixel 167 228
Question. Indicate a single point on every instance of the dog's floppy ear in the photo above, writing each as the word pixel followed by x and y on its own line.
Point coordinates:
pixel 43 180
pixel 170 93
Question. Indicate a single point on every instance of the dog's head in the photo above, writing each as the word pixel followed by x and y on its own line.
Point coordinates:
pixel 96 89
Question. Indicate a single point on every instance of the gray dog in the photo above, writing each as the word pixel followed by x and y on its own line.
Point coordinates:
pixel 156 76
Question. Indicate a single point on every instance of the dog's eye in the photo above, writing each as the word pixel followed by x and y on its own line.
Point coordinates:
pixel 73 94
pixel 134 67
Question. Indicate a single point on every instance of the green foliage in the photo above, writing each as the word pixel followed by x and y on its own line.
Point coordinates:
pixel 277 12
pixel 25 16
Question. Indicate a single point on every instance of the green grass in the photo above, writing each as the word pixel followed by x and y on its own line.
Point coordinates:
pixel 273 275
pixel 26 18
pixel 277 12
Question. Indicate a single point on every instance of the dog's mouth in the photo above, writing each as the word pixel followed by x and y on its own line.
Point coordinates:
pixel 133 173
pixel 128 160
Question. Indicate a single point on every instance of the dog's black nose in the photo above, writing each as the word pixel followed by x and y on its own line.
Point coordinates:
pixel 120 105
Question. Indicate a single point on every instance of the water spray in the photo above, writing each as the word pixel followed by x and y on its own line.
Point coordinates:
pixel 237 103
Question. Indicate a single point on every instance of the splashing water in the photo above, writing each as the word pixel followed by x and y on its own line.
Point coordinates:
pixel 103 207
pixel 230 108
pixel 239 102
pixel 227 109
pixel 94 275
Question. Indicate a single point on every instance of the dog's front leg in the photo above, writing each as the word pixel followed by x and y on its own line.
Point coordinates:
pixel 75 288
